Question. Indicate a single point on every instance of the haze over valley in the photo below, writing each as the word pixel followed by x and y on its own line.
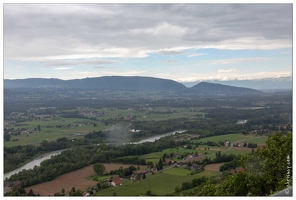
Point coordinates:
pixel 174 99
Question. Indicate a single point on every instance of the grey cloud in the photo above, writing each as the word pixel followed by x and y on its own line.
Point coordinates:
pixel 77 62
pixel 40 30
pixel 169 53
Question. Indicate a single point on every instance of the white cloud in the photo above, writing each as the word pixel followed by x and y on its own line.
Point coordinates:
pixel 163 29
pixel 82 74
pixel 191 77
pixel 234 61
pixel 196 54
pixel 62 68
pixel 226 70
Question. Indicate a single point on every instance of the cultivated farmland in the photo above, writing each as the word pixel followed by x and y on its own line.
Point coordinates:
pixel 77 179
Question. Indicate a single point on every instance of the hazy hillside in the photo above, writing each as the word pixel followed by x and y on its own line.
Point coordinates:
pixel 205 88
pixel 262 84
pixel 134 83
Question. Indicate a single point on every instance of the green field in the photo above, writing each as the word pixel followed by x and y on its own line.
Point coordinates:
pixel 159 183
pixel 244 151
pixel 260 140
pixel 156 114
pixel 230 137
pixel 49 131
pixel 154 157
pixel 178 171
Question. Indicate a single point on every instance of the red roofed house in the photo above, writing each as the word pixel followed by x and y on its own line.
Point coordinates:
pixel 116 181
pixel 168 162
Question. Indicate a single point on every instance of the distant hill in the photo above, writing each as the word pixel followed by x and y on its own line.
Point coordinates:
pixel 205 88
pixel 132 83
pixel 283 83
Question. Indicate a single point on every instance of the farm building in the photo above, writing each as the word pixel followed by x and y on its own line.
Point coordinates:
pixel 116 181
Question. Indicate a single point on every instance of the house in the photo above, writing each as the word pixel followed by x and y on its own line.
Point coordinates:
pixel 116 181
pixel 134 176
pixel 85 194
pixel 154 169
pixel 188 157
pixel 138 175
pixel 168 161
pixel 226 143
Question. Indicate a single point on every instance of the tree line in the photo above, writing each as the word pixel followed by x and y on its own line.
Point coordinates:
pixel 266 171
pixel 78 157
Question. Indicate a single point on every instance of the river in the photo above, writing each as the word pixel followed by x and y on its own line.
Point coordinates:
pixel 37 161
pixel 33 163
pixel 157 137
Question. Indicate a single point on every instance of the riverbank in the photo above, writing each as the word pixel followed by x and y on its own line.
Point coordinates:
pixel 39 159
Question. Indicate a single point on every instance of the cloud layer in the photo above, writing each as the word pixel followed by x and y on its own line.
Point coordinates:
pixel 92 39
pixel 135 30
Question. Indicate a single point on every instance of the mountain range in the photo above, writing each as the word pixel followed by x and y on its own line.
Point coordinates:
pixel 132 83
pixel 283 83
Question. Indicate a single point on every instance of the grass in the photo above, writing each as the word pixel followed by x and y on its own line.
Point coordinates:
pixel 52 133
pixel 159 184
pixel 148 115
pixel 244 151
pixel 261 140
pixel 230 137
pixel 154 157
pixel 100 178
pixel 179 171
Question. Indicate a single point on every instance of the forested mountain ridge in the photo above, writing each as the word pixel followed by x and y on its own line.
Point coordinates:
pixel 216 88
pixel 132 83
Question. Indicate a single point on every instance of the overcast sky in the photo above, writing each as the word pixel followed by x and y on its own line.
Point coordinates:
pixel 183 42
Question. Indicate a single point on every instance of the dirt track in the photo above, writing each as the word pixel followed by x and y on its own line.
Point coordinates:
pixel 75 179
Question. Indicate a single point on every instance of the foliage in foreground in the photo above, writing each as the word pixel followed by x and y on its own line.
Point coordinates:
pixel 267 171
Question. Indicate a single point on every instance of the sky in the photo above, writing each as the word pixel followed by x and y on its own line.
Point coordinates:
pixel 183 42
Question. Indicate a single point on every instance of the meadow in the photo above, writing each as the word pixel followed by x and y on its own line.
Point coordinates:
pixel 160 183
pixel 155 156
pixel 229 137
pixel 153 114
pixel 49 131
pixel 259 140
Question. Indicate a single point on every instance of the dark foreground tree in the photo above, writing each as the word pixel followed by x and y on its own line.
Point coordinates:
pixel 99 168
pixel 267 171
